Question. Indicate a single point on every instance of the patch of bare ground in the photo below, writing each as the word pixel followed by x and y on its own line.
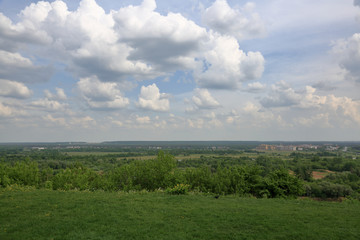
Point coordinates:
pixel 321 174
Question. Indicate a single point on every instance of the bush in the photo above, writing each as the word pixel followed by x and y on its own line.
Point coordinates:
pixel 76 177
pixel 22 173
pixel 280 183
pixel 149 174
pixel 324 189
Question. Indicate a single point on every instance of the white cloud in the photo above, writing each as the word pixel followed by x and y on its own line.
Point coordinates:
pixel 346 109
pixel 320 120
pixel 49 105
pixel 100 95
pixel 12 36
pixel 196 123
pixel 258 117
pixel 324 86
pixel 134 42
pixel 14 89
pixel 202 99
pixel 348 53
pixel 70 121
pixel 338 111
pixel 118 123
pixel 150 98
pixel 255 87
pixel 5 111
pixel 143 120
pixel 209 121
pixel 213 120
pixel 15 67
pixel 59 95
pixel 166 43
pixel 311 100
pixel 226 66
pixel 281 95
pixel 57 121
pixel 240 23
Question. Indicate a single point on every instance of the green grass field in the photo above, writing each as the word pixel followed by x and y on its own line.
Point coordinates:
pixel 42 214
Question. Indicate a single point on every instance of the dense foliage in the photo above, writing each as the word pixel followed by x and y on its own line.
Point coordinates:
pixel 159 173
pixel 241 172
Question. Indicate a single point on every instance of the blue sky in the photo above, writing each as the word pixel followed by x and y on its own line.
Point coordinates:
pixel 179 70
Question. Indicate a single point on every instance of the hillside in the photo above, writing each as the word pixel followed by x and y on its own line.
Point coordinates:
pixel 47 214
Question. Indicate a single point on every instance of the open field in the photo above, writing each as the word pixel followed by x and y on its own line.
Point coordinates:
pixel 321 174
pixel 44 214
pixel 91 153
pixel 283 155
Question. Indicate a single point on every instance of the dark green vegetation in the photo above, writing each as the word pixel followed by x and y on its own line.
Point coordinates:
pixel 44 214
pixel 219 169
pixel 159 173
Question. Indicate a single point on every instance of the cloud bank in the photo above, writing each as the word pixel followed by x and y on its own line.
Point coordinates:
pixel 130 44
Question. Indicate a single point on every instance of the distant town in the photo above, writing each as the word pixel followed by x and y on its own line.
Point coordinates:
pixel 301 147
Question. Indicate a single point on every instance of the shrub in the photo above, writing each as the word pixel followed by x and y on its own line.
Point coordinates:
pixel 280 183
pixel 324 189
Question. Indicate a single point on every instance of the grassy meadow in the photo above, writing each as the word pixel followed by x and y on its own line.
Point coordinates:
pixel 47 214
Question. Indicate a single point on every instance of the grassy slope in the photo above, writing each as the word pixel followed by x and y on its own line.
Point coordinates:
pixel 41 214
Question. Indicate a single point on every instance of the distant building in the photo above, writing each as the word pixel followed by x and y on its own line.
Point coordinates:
pixel 265 147
pixel 285 148
pixel 303 147
pixel 39 148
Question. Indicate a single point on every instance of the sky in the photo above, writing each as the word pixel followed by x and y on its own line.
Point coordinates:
pixel 125 70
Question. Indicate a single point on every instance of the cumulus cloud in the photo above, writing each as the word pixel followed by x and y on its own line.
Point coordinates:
pixel 330 111
pixel 310 100
pixel 226 66
pixel 240 23
pixel 143 120
pixel 202 99
pixel 338 110
pixel 324 86
pixel 345 108
pixel 69 122
pixel 15 67
pixel 49 105
pixel 101 95
pixel 150 98
pixel 13 36
pixel 348 53
pixel 59 95
pixel 164 42
pixel 281 95
pixel 321 120
pixel 255 87
pixel 196 123
pixel 14 89
pixel 5 111
pixel 134 42
pixel 208 121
